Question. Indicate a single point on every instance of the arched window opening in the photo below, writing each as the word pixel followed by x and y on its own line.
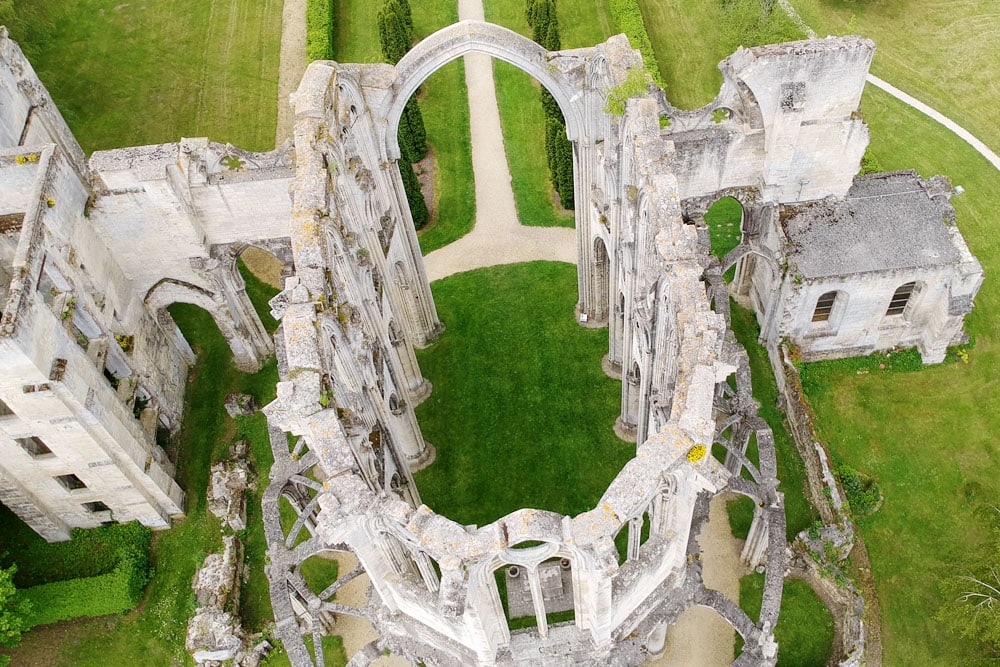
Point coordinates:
pixel 824 305
pixel 900 298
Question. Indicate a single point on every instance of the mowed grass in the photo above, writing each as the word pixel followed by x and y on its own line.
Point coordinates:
pixel 925 436
pixel 805 627
pixel 943 53
pixel 521 413
pixel 521 115
pixel 154 633
pixel 144 72
pixel 682 35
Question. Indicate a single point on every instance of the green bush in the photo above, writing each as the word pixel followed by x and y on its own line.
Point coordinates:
pixel 628 16
pixel 116 592
pixel 319 30
pixel 90 553
pixel 861 490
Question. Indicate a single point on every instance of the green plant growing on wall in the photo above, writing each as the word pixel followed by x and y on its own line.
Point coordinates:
pixel 636 84
pixel 232 163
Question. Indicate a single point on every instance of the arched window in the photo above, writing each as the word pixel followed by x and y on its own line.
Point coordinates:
pixel 824 304
pixel 900 298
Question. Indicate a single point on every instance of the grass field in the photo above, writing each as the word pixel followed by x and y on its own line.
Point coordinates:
pixel 681 32
pixel 506 415
pixel 132 73
pixel 805 628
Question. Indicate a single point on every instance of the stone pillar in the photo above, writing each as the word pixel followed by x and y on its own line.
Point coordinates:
pixel 423 324
pixel 627 425
pixel 657 640
pixel 616 327
pixel 634 537
pixel 535 585
pixel 583 158
pixel 417 386
pixel 755 547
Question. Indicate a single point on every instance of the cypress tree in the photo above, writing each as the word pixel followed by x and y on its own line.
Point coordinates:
pixel 394 33
pixel 415 127
pixel 414 197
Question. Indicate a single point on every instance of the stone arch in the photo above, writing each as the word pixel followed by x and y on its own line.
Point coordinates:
pixel 167 291
pixel 454 41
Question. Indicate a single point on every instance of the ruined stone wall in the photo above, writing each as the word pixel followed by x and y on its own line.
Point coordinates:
pixel 785 121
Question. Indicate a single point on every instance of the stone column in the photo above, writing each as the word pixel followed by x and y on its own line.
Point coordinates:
pixel 423 325
pixel 583 158
pixel 417 387
pixel 755 547
pixel 535 585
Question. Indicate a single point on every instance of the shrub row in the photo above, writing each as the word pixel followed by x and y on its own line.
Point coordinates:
pixel 91 552
pixel 319 30
pixel 628 16
pixel 113 593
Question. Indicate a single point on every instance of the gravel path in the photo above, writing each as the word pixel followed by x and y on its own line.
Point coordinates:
pixel 291 64
pixel 497 237
pixel 700 636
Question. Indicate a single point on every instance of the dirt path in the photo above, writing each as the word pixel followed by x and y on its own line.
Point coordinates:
pixel 700 636
pixel 291 64
pixel 497 237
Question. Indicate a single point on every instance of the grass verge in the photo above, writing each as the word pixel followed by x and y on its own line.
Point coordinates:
pixel 506 415
pixel 135 73
pixel 805 628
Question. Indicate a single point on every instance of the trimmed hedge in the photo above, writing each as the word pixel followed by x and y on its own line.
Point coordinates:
pixel 319 30
pixel 628 16
pixel 114 593
pixel 100 571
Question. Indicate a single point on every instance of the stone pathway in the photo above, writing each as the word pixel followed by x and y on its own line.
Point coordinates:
pixel 909 100
pixel 497 237
pixel 291 64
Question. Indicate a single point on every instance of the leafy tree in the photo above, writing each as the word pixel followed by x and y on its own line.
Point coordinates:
pixel 972 598
pixel 12 611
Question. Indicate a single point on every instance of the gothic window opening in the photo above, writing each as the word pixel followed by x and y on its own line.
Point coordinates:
pixel 96 506
pixel 823 307
pixel 900 298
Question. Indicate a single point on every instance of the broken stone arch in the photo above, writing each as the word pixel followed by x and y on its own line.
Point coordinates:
pixel 248 353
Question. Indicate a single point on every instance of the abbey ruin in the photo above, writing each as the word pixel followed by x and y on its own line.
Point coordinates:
pixel 93 250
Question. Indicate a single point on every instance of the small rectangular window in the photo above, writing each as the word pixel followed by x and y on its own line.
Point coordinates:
pixel 5 410
pixel 96 506
pixel 899 299
pixel 71 482
pixel 34 446
pixel 823 307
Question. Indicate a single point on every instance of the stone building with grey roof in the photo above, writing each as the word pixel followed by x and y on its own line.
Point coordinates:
pixel 883 267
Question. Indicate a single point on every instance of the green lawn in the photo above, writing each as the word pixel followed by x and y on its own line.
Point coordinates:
pixel 521 413
pixel 682 35
pixel 154 634
pixel 132 73
pixel 805 628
